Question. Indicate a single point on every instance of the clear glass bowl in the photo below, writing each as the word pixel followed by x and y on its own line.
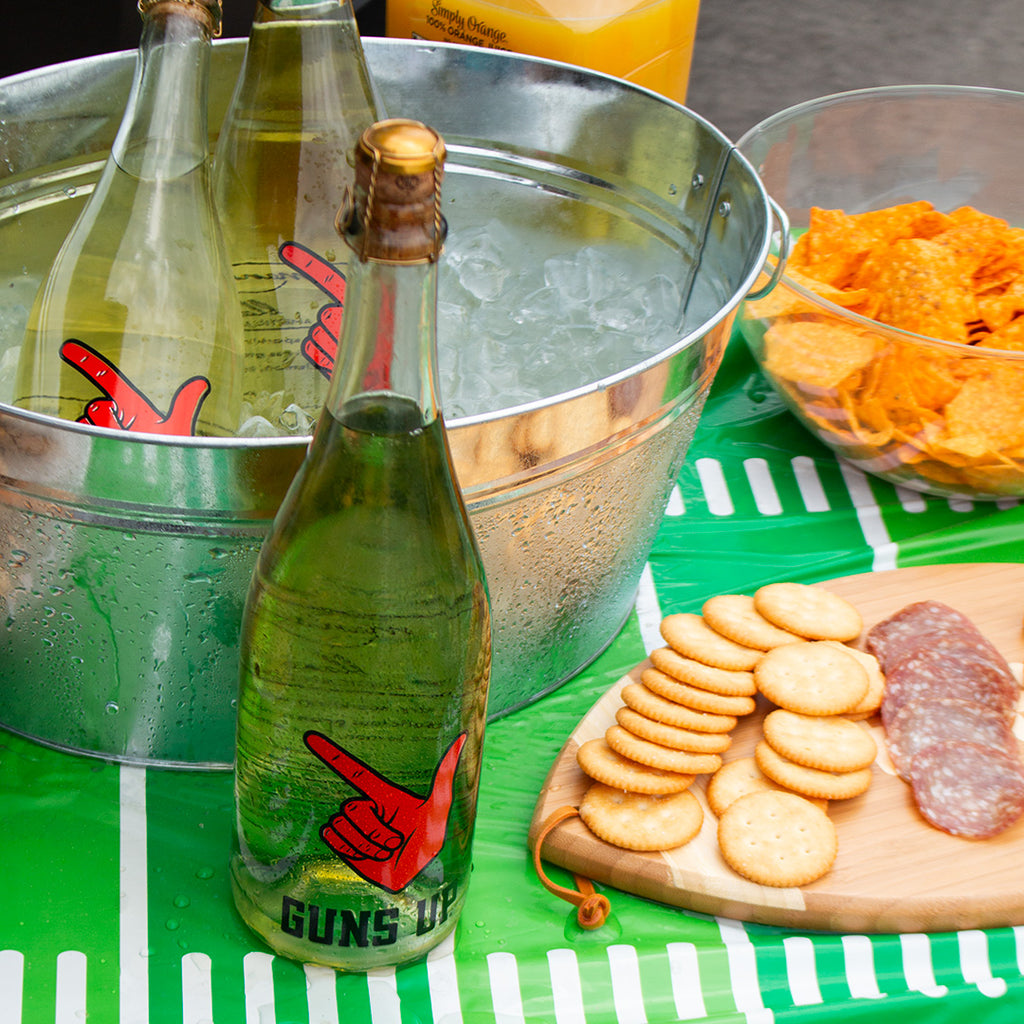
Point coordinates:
pixel 935 416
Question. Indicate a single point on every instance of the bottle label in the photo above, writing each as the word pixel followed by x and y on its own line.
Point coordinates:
pixel 123 405
pixel 386 834
pixel 363 929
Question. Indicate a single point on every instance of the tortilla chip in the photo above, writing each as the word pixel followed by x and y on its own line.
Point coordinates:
pixel 818 353
pixel 988 409
pixel 1009 337
pixel 920 289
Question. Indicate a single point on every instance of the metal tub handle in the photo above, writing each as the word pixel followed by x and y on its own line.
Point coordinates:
pixel 783 255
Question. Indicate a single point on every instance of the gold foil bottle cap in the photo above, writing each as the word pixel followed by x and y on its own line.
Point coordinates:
pixel 395 214
pixel 402 147
pixel 208 11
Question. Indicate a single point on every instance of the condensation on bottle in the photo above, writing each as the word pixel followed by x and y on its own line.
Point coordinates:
pixel 365 644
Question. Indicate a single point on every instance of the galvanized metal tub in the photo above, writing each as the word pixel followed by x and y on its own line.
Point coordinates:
pixel 124 560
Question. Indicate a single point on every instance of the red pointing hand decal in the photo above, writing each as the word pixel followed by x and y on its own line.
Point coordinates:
pixel 127 408
pixel 388 834
pixel 320 346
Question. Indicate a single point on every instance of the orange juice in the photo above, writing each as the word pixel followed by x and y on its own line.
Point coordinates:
pixel 649 42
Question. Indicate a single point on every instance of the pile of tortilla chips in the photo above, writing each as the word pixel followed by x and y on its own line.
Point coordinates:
pixel 949 416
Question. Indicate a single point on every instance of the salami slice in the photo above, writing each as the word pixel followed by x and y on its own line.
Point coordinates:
pixel 890 639
pixel 923 723
pixel 952 666
pixel 967 789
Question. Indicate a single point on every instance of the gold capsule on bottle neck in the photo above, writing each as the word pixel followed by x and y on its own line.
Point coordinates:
pixel 395 213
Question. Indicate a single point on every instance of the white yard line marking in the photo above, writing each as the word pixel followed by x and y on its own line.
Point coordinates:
pixel 648 611
pixel 766 496
pixel 869 515
pixel 321 994
pixel 1018 939
pixel 134 901
pixel 802 970
pixel 385 1004
pixel 712 482
pixel 809 482
pixel 746 990
pixel 506 997
pixel 196 989
pixel 860 967
pixel 911 501
pixel 976 966
pixel 443 982
pixel 12 981
pixel 627 993
pixel 676 506
pixel 258 979
pixel 917 965
pixel 566 988
pixel 685 976
pixel 70 1005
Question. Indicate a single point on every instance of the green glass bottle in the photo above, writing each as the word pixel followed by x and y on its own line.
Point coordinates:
pixel 137 325
pixel 303 97
pixel 365 646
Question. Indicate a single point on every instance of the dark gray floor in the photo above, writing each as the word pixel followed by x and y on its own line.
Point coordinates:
pixel 752 59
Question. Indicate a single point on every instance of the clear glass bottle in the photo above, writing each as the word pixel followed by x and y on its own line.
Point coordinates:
pixel 137 325
pixel 304 95
pixel 365 645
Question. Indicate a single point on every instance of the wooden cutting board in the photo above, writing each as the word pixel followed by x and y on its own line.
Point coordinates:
pixel 894 872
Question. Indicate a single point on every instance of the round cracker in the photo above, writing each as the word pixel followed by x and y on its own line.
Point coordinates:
pixel 727 682
pixel 670 735
pixel 694 697
pixel 812 678
pixel 641 821
pixel 777 839
pixel 810 781
pixel 738 778
pixel 809 611
pixel 648 703
pixel 733 780
pixel 736 617
pixel 691 636
pixel 656 756
pixel 603 764
pixel 872 700
pixel 829 743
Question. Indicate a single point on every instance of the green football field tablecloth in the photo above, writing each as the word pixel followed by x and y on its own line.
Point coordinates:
pixel 116 906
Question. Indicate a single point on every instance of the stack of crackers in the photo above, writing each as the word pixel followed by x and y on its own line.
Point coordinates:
pixel 786 643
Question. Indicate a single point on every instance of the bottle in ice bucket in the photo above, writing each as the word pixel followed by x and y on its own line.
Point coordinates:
pixel 365 646
pixel 303 97
pixel 137 325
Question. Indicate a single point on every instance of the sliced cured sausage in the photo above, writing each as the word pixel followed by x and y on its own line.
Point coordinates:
pixel 951 666
pixel 968 789
pixel 949 701
pixel 890 639
pixel 923 723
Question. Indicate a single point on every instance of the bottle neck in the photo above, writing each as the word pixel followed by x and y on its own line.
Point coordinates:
pixel 332 10
pixel 388 339
pixel 163 133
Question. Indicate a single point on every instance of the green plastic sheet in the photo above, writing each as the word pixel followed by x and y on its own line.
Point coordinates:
pixel 116 906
